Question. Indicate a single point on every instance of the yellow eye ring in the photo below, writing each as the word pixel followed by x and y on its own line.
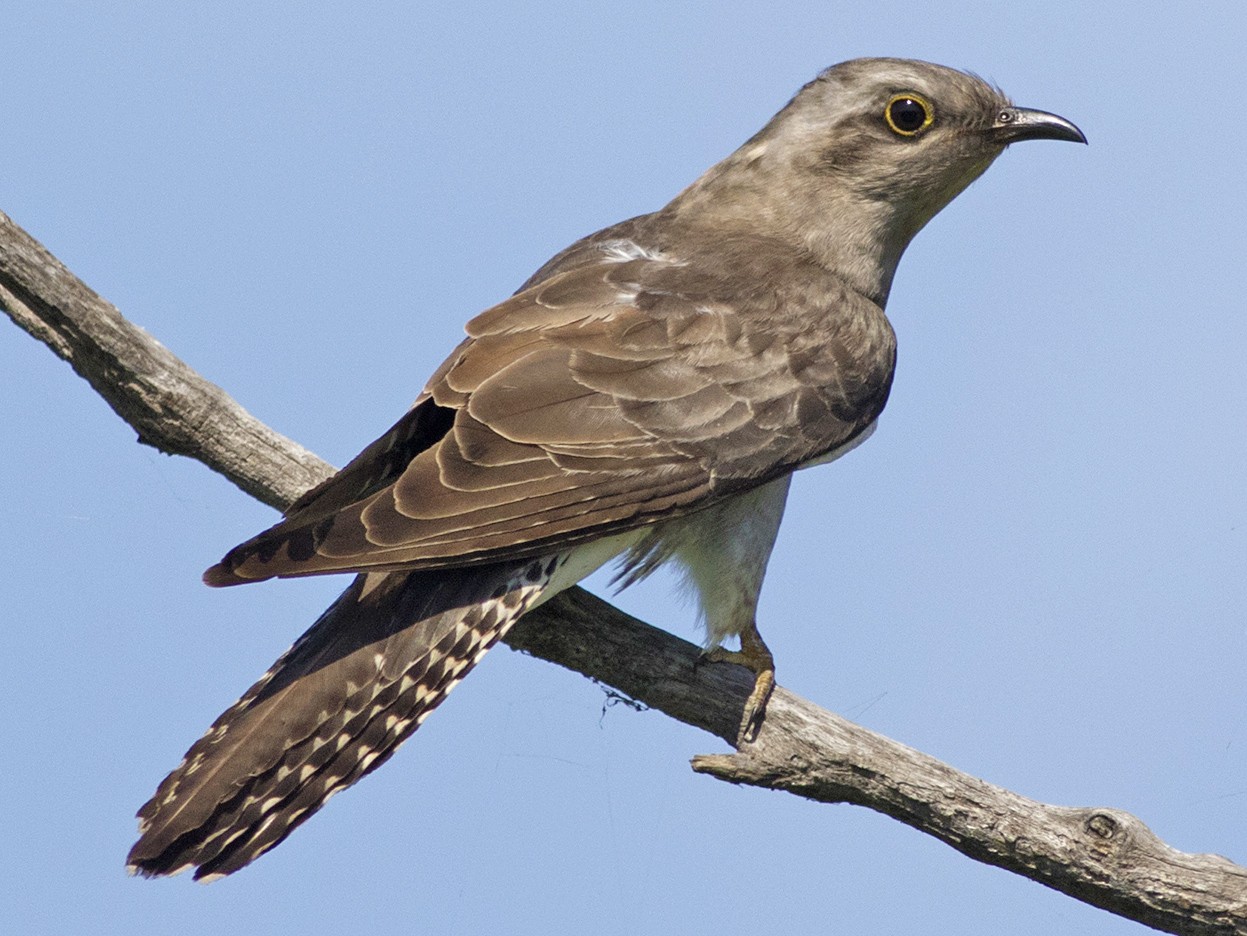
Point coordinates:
pixel 908 114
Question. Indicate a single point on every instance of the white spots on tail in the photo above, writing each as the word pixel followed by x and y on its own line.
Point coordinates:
pixel 368 756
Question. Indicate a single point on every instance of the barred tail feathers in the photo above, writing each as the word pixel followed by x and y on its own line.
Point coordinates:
pixel 334 707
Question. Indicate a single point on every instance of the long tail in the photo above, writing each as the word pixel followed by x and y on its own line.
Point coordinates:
pixel 334 707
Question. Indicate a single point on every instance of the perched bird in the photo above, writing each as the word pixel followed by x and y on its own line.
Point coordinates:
pixel 645 396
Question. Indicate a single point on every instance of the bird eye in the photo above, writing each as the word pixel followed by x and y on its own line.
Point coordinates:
pixel 908 114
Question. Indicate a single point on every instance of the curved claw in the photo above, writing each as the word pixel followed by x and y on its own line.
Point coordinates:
pixel 755 656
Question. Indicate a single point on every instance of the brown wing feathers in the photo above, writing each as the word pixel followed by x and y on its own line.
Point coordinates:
pixel 612 395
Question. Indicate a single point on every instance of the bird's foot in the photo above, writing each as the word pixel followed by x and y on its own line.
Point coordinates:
pixel 755 656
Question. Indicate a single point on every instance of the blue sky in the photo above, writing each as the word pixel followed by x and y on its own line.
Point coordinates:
pixel 1034 570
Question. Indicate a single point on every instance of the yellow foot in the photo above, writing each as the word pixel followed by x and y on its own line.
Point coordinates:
pixel 756 657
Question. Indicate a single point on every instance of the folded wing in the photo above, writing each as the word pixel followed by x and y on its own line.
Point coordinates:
pixel 620 392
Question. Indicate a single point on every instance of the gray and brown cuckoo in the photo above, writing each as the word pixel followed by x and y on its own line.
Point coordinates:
pixel 645 397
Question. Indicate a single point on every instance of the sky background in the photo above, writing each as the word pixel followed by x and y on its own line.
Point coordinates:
pixel 1034 570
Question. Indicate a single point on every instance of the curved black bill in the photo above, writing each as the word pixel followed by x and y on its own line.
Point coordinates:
pixel 1021 123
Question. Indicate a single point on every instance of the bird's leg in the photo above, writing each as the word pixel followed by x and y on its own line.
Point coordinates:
pixel 754 655
pixel 724 550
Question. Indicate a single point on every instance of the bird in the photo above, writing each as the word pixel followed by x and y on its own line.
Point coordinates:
pixel 644 397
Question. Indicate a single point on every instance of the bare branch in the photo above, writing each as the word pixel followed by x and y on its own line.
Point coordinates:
pixel 170 406
pixel 1104 857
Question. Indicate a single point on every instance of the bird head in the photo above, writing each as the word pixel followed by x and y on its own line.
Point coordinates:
pixel 863 157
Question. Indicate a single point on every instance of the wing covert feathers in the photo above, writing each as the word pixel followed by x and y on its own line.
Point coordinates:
pixel 627 388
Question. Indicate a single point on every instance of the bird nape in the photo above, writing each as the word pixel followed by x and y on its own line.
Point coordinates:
pixel 645 397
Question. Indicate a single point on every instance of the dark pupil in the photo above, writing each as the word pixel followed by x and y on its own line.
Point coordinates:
pixel 908 115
